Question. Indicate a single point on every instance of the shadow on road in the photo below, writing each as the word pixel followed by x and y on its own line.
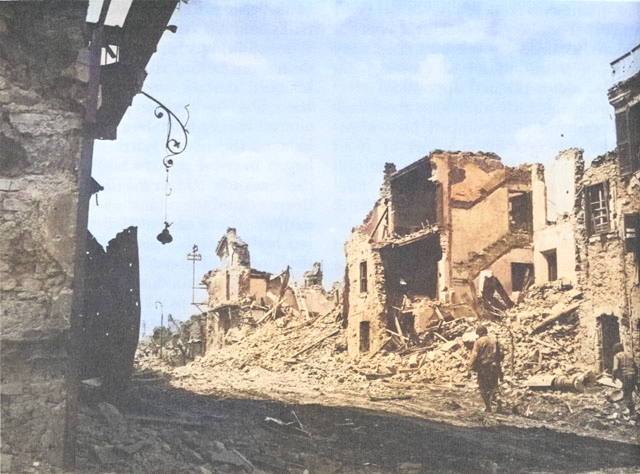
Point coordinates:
pixel 278 437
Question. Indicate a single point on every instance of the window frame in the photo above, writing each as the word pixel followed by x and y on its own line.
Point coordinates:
pixel 364 284
pixel 597 208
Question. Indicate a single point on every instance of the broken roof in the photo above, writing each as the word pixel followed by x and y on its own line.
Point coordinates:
pixel 136 42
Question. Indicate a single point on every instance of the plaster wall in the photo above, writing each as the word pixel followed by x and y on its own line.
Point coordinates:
pixel 538 197
pixel 501 268
pixel 476 228
pixel 559 177
pixel 561 238
pixel 258 289
pixel 235 279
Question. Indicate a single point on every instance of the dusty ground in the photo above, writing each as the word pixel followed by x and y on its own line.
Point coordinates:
pixel 202 419
pixel 175 420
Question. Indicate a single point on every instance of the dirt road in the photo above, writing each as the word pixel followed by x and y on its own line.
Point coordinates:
pixel 190 420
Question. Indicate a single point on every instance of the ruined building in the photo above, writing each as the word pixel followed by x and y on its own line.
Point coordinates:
pixel 458 234
pixel 438 225
pixel 241 297
pixel 609 248
pixel 63 83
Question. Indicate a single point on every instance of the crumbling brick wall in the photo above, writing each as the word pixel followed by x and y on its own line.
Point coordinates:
pixel 366 308
pixel 41 140
pixel 609 272
pixel 476 231
pixel 437 224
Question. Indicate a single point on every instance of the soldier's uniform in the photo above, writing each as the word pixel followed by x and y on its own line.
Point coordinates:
pixel 625 370
pixel 486 359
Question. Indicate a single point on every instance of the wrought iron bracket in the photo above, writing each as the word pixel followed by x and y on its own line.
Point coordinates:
pixel 173 145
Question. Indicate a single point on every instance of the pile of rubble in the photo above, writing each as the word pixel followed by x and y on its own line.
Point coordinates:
pixel 545 377
pixel 538 337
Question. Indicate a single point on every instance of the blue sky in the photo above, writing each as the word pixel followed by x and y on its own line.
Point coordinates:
pixel 296 106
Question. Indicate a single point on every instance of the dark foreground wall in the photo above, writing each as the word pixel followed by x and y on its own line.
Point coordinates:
pixel 111 316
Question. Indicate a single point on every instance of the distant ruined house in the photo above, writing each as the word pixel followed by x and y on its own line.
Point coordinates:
pixel 240 297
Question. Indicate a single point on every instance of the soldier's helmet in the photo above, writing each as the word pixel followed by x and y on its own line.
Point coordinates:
pixel 481 330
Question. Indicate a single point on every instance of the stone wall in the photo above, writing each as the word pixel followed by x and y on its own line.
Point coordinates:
pixel 41 143
pixel 365 306
pixel 609 274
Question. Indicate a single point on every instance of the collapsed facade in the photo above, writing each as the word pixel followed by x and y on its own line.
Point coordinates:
pixel 438 224
pixel 240 297
pixel 60 289
pixel 458 234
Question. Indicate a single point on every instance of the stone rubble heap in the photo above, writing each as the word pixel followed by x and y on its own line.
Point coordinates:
pixel 538 336
pixel 317 345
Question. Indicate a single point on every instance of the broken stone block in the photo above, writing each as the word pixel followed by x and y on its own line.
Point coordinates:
pixel 11 389
pixel 111 414
pixel 192 456
pixel 226 457
pixel 450 346
pixel 5 462
pixel 104 454
pixel 469 337
pixel 409 467
pixel 132 448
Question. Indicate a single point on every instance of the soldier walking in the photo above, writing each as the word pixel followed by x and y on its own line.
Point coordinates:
pixel 486 360
pixel 625 370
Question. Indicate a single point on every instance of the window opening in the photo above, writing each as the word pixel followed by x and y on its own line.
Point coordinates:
pixel 632 237
pixel 363 277
pixel 520 212
pixel 598 208
pixel 365 329
pixel 110 55
pixel 552 264
pixel 628 139
pixel 228 286
pixel 412 269
pixel 521 276
pixel 631 231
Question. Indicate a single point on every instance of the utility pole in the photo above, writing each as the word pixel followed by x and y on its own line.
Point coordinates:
pixel 194 256
pixel 161 326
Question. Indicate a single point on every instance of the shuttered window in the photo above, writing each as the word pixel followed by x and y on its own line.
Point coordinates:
pixel 598 208
pixel 628 139
pixel 363 277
